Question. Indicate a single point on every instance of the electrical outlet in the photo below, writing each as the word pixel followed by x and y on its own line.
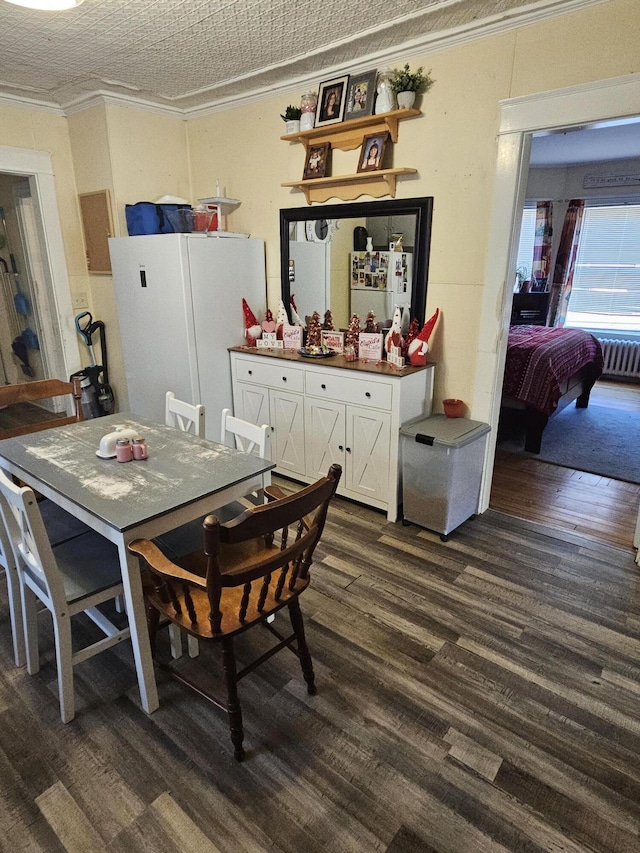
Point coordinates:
pixel 80 300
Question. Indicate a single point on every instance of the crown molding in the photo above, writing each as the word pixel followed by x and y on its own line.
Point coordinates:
pixel 535 12
pixel 31 103
pixel 101 98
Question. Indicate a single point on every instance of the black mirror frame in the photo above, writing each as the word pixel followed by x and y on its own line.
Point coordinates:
pixel 421 208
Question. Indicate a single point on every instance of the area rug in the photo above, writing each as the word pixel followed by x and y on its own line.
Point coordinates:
pixel 596 439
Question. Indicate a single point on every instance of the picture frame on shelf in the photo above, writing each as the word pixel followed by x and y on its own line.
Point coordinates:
pixel 332 100
pixel 361 95
pixel 317 162
pixel 372 151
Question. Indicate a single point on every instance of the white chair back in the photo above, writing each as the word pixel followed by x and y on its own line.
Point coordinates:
pixel 8 563
pixel 183 415
pixel 74 577
pixel 31 548
pixel 244 436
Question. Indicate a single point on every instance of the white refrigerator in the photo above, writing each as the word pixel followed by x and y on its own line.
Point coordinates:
pixel 380 281
pixel 179 302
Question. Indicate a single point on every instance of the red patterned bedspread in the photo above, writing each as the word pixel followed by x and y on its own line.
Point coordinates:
pixel 540 359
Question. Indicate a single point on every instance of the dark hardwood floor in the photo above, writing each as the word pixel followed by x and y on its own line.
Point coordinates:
pixel 594 506
pixel 480 695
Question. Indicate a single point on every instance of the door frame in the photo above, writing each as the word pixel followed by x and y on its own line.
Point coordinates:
pixel 602 100
pixel 36 165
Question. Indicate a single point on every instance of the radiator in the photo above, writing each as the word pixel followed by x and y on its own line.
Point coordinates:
pixel 621 358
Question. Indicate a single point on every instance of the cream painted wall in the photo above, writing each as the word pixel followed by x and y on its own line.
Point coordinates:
pixel 137 156
pixel 453 146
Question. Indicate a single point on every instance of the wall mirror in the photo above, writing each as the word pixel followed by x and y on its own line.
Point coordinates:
pixel 321 268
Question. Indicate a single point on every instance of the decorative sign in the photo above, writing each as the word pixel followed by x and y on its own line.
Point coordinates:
pixel 292 337
pixel 607 181
pixel 333 340
pixel 269 340
pixel 394 357
pixel 370 346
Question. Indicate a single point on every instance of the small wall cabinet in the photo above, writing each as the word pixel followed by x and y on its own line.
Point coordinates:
pixel 349 413
pixel 346 136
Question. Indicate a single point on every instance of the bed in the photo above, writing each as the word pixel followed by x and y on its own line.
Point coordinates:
pixel 546 369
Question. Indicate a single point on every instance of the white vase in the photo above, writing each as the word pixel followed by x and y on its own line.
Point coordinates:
pixel 292 126
pixel 307 121
pixel 406 100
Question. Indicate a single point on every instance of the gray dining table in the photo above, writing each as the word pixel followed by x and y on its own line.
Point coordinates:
pixel 183 478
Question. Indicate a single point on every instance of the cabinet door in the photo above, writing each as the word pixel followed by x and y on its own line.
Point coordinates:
pixel 368 446
pixel 287 421
pixel 325 428
pixel 251 403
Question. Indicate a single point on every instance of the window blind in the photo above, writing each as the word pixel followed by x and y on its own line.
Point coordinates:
pixel 606 284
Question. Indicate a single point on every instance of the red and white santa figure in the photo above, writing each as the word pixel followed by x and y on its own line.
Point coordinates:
pixel 296 319
pixel 281 320
pixel 419 346
pixel 253 329
pixel 394 337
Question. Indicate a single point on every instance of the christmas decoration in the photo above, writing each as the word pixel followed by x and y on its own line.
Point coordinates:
pixel 370 323
pixel 296 320
pixel 414 328
pixel 353 333
pixel 417 349
pixel 281 320
pixel 252 327
pixel 268 324
pixel 314 332
pixel 328 322
pixel 396 328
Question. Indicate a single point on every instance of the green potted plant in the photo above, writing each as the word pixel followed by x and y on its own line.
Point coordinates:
pixel 291 117
pixel 407 84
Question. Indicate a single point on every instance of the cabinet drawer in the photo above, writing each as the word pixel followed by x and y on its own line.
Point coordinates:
pixel 271 375
pixel 361 392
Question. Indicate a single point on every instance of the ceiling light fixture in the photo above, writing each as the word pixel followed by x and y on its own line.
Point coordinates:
pixel 47 5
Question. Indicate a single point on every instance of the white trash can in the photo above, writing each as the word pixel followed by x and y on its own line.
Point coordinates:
pixel 442 461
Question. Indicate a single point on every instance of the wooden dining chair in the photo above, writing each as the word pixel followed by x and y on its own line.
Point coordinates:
pixel 248 438
pixel 71 578
pixel 249 568
pixel 184 416
pixel 33 392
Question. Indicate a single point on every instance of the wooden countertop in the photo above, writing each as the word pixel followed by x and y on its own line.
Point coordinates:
pixel 381 368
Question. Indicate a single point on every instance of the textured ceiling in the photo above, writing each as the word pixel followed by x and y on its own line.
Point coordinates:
pixel 188 54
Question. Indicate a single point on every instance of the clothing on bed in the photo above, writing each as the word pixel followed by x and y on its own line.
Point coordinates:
pixel 540 359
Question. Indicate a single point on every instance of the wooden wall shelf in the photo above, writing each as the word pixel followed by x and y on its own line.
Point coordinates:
pixel 348 135
pixel 351 187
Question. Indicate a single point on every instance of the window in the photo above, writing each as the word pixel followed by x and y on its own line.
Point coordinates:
pixel 606 282
pixel 524 260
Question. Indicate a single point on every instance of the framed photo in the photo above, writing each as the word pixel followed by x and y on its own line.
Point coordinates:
pixel 332 100
pixel 372 151
pixel 316 163
pixel 361 94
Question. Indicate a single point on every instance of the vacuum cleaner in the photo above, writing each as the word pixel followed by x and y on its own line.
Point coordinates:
pixel 97 397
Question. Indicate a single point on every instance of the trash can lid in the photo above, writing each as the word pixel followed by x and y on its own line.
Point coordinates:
pixel 451 432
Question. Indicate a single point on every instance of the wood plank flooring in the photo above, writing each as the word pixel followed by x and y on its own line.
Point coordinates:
pixel 479 695
pixel 593 506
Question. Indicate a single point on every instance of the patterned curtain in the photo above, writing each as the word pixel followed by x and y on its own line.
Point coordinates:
pixel 566 260
pixel 542 246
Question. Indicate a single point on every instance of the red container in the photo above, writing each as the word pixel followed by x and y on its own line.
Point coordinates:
pixel 453 408
pixel 205 220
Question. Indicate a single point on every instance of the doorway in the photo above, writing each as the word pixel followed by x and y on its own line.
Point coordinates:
pixel 606 101
pixel 35 303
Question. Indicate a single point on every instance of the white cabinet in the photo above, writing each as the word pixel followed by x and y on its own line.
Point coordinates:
pixel 347 413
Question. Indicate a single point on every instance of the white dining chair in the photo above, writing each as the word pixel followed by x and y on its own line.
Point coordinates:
pixel 184 416
pixel 71 578
pixel 243 436
pixel 61 526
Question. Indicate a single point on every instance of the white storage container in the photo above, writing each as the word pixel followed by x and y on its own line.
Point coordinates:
pixel 441 471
